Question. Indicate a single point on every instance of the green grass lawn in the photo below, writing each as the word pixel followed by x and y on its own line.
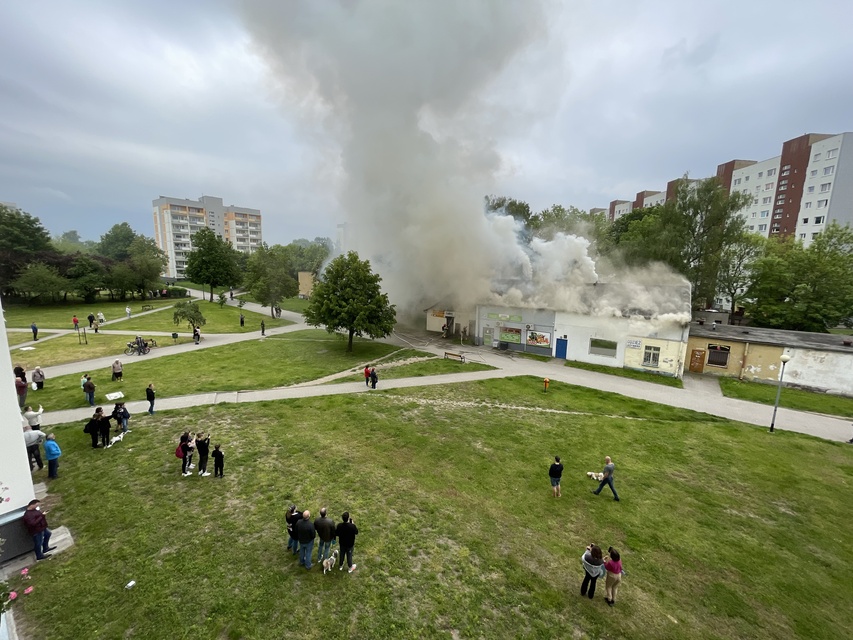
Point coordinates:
pixel 219 320
pixel 48 353
pixel 844 331
pixel 19 337
pixel 275 361
pixel 724 533
pixel 58 316
pixel 297 305
pixel 627 373
pixel 432 367
pixel 790 398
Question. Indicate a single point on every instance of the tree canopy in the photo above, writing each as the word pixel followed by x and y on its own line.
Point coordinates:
pixel 188 312
pixel 115 243
pixel 348 298
pixel 268 276
pixel 213 261
pixel 22 241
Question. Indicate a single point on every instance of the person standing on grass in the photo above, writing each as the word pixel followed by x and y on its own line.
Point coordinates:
pixel 34 328
pixel 52 453
pixel 305 533
pixel 33 437
pixel 36 525
pixel 121 415
pixel 608 478
pixel 242 321
pixel 613 567
pixel 89 390
pixel 117 368
pixel 20 371
pixel 39 378
pixel 202 445
pixel 75 322
pixel 93 429
pixel 103 421
pixel 185 454
pixel 263 328
pixel 346 532
pixel 555 473
pixel 21 389
pixel 218 462
pixel 292 518
pixel 367 375
pixel 33 418
pixel 374 377
pixel 325 528
pixel 196 334
pixel 149 395
pixel 593 567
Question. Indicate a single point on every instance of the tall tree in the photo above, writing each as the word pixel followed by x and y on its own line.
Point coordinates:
pixel 348 298
pixel 558 219
pixel 213 261
pixel 147 262
pixel 23 239
pixel 188 312
pixel 87 276
pixel 39 281
pixel 268 276
pixel 115 243
pixel 71 242
pixel 736 267
pixel 518 209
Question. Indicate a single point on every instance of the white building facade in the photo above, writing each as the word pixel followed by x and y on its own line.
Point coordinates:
pixel 759 181
pixel 828 188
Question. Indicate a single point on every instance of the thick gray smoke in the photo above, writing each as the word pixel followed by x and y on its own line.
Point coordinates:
pixel 406 91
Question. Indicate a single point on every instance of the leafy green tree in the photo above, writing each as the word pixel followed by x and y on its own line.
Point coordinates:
pixel 147 262
pixel 115 243
pixel 23 240
pixel 736 266
pixel 120 279
pixel 189 313
pixel 348 298
pixel 213 261
pixel 268 276
pixel 804 289
pixel 40 281
pixel 558 219
pixel 87 276
pixel 518 209
pixel 71 242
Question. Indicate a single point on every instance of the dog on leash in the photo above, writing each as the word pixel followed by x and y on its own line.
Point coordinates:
pixel 595 476
pixel 329 563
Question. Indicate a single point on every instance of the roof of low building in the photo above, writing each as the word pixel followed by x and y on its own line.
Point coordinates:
pixel 780 337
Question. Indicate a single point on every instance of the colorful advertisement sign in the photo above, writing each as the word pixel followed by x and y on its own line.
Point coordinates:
pixel 539 338
pixel 508 334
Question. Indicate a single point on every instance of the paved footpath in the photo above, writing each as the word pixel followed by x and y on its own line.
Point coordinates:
pixel 700 395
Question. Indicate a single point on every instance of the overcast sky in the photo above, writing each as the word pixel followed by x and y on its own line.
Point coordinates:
pixel 105 105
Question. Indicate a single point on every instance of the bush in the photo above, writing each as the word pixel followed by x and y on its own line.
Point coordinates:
pixel 174 292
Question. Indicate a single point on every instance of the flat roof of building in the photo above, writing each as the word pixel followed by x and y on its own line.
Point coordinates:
pixel 779 337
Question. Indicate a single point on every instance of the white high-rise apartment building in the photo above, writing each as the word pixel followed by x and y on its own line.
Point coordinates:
pixel 758 180
pixel 828 187
pixel 176 220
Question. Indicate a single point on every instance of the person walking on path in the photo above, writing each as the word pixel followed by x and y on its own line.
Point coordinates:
pixel 149 395
pixel 374 377
pixel 36 524
pixel 75 322
pixel 218 462
pixel 305 533
pixel 325 528
pixel 39 378
pixel 346 532
pixel 89 390
pixel 127 311
pixel 555 473
pixel 593 567
pixel 608 478
pixel 96 325
pixel 367 375
pixel 292 518
pixel 263 328
pixel 91 319
pixel 52 453
pixel 613 566
pixel 101 317
pixel 117 368
pixel 242 321
pixel 33 437
pixel 202 445
pixel 21 389
pixel 103 421
pixel 35 330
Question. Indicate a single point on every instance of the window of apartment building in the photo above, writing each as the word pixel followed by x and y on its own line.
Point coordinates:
pixel 762 227
pixel 816 157
pixel 760 174
pixel 765 213
pixel 767 200
pixel 777 210
pixel 752 215
pixel 826 186
pixel 783 187
pixel 810 189
pixel 768 186
pixel 602 347
pixel 785 172
pixel 807 205
pixel 752 227
pixel 787 166
pixel 818 219
pixel 802 236
pixel 828 171
pixel 754 201
pixel 718 355
pixel 737 181
pixel 783 182
pixel 822 203
pixel 651 357
pixel 805 220
pixel 812 173
pixel 831 153
pixel 745 191
pixel 815 235
pixel 781 200
pixel 746 178
pixel 771 173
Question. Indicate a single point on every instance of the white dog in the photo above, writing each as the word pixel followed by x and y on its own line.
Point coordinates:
pixel 329 563
pixel 117 438
pixel 595 476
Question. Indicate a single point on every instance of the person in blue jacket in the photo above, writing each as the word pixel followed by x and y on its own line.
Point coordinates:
pixel 52 453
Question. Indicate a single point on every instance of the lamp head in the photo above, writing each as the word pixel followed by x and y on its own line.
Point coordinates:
pixel 785 358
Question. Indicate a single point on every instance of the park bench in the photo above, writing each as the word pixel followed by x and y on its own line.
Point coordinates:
pixel 148 307
pixel 449 355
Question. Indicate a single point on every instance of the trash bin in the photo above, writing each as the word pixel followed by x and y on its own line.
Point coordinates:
pixel 175 337
pixel 503 346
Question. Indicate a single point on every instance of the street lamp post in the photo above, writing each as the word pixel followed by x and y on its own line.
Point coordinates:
pixel 784 358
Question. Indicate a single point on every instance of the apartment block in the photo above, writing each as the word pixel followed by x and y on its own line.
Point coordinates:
pixel 757 179
pixel 176 220
pixel 827 190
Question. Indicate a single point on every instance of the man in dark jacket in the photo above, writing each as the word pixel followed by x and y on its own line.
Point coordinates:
pixel 149 395
pixel 346 533
pixel 305 534
pixel 325 528
pixel 89 390
pixel 36 525
pixel 292 519
pixel 202 445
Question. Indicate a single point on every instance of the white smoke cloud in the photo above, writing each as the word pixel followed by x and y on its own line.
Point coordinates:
pixel 405 91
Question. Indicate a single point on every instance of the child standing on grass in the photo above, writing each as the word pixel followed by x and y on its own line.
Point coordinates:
pixel 218 462
pixel 613 566
pixel 202 445
pixel 185 453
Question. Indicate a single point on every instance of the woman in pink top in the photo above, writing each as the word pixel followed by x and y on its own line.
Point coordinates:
pixel 613 565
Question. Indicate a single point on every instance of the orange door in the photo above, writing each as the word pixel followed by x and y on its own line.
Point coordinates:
pixel 697 361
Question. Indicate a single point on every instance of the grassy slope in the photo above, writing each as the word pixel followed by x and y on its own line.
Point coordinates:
pixel 218 320
pixel 59 316
pixel 275 361
pixel 724 534
pixel 69 348
pixel 790 398
pixel 627 373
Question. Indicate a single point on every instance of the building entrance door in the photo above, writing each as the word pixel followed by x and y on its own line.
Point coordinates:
pixel 562 347
pixel 488 336
pixel 697 361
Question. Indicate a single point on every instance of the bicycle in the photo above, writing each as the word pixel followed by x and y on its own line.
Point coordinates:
pixel 133 348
